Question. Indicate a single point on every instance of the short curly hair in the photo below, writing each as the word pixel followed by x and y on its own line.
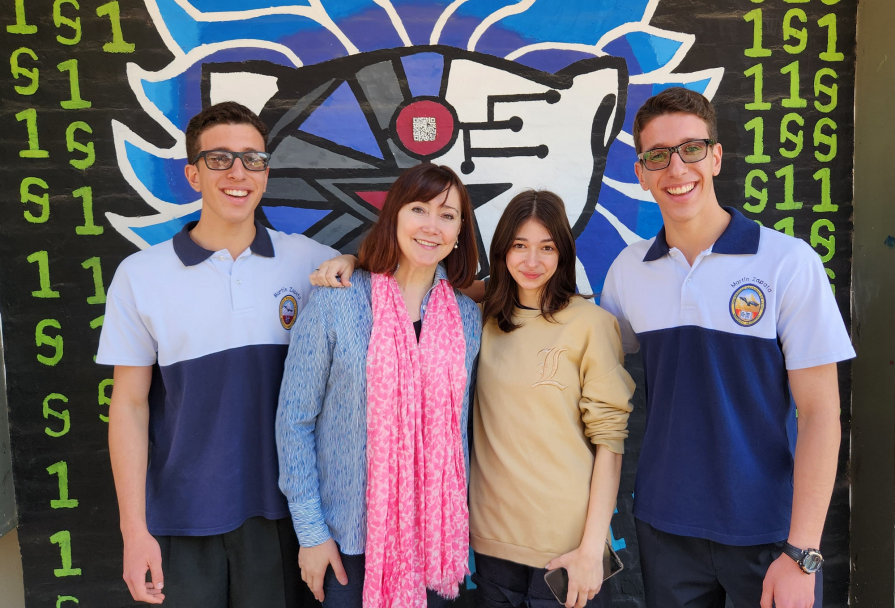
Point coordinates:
pixel 224 113
pixel 676 100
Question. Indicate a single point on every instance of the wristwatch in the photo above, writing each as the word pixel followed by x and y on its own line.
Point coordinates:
pixel 809 560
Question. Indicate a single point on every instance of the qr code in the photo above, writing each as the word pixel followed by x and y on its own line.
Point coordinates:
pixel 423 128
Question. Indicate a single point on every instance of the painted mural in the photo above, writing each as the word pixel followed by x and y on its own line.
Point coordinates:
pixel 512 94
pixel 506 92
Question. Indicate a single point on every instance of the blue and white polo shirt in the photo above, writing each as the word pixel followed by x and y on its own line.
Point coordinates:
pixel 717 340
pixel 217 331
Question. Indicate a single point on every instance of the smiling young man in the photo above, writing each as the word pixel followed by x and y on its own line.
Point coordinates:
pixel 738 327
pixel 197 328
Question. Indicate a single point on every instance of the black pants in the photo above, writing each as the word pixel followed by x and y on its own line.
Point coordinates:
pixel 687 572
pixel 252 566
pixel 351 595
pixel 503 583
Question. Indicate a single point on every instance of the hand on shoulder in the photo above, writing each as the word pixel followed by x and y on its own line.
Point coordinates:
pixel 335 272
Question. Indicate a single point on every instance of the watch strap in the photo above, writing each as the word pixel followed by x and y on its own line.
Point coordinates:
pixel 794 552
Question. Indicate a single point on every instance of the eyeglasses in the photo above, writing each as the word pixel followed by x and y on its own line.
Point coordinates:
pixel 691 151
pixel 221 160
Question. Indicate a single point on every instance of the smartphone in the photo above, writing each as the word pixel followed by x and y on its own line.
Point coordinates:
pixel 558 579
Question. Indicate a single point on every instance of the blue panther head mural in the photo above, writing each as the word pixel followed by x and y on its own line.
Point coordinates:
pixel 511 94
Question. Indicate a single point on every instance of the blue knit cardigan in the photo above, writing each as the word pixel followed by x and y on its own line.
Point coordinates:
pixel 321 421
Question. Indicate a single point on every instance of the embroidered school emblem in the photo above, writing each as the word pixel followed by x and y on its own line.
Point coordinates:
pixel 549 368
pixel 288 306
pixel 747 305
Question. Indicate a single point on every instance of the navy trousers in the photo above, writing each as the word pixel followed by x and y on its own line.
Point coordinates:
pixel 253 565
pixel 351 595
pixel 502 584
pixel 687 572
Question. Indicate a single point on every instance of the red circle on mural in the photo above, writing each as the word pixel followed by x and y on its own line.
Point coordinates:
pixel 425 127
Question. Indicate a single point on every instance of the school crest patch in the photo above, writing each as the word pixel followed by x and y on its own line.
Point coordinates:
pixel 288 308
pixel 747 305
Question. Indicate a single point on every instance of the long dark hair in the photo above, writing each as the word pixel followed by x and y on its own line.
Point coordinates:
pixel 379 252
pixel 547 209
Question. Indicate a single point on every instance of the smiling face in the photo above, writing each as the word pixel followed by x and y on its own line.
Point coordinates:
pixel 229 196
pixel 427 230
pixel 532 260
pixel 684 191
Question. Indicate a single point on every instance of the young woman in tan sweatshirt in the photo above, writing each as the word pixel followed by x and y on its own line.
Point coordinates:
pixel 550 417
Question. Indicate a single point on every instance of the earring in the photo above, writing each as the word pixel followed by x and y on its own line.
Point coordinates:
pixel 456 243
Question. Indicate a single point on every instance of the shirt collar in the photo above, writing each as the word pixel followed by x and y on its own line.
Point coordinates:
pixel 440 274
pixel 740 237
pixel 191 253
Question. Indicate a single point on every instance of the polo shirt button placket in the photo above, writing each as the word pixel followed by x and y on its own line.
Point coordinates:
pixel 241 295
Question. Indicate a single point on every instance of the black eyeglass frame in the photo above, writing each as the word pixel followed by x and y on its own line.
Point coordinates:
pixel 672 149
pixel 234 156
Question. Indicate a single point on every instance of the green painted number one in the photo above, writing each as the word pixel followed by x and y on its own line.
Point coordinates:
pixel 99 296
pixel 43 270
pixel 89 228
pixel 21 26
pixel 757 50
pixel 789 203
pixel 757 71
pixel 793 101
pixel 75 103
pixel 63 539
pixel 118 45
pixel 829 22
pixel 758 155
pixel 33 151
pixel 64 502
pixel 826 203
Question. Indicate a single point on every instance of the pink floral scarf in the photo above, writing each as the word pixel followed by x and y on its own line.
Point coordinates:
pixel 417 518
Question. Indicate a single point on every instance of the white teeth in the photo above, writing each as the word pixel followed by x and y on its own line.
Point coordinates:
pixel 680 189
pixel 426 243
pixel 236 192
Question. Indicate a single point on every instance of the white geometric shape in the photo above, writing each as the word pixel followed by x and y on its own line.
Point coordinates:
pixel 251 90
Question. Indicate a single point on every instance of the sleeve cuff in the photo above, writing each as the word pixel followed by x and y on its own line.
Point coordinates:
pixel 309 523
pixel 616 446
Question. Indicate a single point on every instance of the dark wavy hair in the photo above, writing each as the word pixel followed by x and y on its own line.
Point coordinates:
pixel 379 252
pixel 676 100
pixel 224 113
pixel 547 209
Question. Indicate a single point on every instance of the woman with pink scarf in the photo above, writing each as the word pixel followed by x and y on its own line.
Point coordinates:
pixel 371 427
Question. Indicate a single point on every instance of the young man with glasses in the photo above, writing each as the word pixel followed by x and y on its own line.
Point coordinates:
pixel 738 327
pixel 197 328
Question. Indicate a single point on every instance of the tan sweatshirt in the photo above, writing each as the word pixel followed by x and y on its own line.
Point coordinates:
pixel 545 394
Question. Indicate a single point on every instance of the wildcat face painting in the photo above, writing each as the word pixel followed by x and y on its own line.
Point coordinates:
pixel 355 91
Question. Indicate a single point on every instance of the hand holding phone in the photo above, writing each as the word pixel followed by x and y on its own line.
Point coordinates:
pixel 558 578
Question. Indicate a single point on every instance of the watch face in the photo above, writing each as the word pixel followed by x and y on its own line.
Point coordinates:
pixel 812 561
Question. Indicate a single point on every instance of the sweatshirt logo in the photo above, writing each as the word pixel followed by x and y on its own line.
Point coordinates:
pixel 549 368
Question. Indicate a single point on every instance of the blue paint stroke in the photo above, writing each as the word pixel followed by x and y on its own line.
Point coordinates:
pixel 573 21
pixel 163 177
pixel 341 120
pixel 305 37
pixel 424 71
pixel 294 220
pixel 598 246
pixel 159 233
